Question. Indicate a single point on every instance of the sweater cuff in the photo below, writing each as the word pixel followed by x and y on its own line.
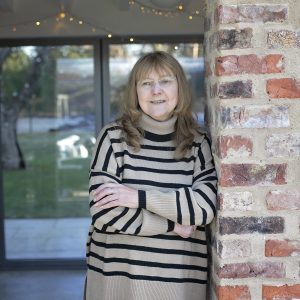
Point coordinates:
pixel 171 226
pixel 142 199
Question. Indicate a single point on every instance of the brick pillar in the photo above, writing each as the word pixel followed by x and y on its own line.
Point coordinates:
pixel 253 113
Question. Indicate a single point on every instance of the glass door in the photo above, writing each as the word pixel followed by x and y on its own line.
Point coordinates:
pixel 48 127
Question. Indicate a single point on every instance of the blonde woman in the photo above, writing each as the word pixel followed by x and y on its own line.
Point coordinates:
pixel 152 192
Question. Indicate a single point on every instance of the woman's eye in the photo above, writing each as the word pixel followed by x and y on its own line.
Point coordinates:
pixel 165 81
pixel 146 83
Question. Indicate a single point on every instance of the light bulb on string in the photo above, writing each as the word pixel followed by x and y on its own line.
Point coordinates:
pixel 61 18
pixel 62 15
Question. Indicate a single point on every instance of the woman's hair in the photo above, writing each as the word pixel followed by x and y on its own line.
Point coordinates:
pixel 185 127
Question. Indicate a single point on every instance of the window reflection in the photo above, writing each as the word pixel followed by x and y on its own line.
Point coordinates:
pixel 123 57
pixel 73 147
pixel 49 111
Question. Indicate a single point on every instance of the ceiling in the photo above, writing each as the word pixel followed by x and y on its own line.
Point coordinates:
pixel 84 18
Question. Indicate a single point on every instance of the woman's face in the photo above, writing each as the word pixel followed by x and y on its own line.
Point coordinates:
pixel 158 94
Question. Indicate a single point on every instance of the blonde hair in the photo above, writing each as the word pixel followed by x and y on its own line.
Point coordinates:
pixel 186 126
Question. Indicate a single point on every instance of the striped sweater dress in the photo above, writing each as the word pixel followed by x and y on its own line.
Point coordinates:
pixel 132 254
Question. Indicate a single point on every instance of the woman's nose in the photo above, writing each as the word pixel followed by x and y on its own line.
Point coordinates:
pixel 156 88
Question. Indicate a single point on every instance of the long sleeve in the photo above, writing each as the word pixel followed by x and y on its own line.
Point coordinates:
pixel 104 168
pixel 195 205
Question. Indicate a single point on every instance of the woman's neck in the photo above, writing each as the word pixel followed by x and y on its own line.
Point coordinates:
pixel 159 127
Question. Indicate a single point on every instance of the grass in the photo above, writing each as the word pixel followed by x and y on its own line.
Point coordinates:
pixel 43 189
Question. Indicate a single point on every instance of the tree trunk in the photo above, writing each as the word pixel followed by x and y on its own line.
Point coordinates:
pixel 12 157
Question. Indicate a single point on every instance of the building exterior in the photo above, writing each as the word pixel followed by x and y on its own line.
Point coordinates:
pixel 253 90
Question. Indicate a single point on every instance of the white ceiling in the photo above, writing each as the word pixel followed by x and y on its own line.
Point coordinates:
pixel 18 18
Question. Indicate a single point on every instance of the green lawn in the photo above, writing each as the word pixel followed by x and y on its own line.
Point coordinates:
pixel 45 189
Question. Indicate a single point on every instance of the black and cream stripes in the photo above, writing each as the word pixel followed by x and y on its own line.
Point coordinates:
pixel 138 245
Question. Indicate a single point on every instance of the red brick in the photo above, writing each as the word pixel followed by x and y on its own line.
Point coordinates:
pixel 235 89
pixel 234 248
pixel 252 174
pixel 248 64
pixel 257 269
pixel 236 201
pixel 234 146
pixel 283 145
pixel 236 292
pixel 284 292
pixel 283 200
pixel 283 88
pixel 244 225
pixel 251 13
pixel 208 70
pixel 232 38
pixel 283 39
pixel 282 248
pixel 255 116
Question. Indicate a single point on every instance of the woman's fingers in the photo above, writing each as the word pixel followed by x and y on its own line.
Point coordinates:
pixel 107 201
pixel 119 194
pixel 105 190
pixel 184 231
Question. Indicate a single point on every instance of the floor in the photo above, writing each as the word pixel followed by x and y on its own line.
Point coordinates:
pixel 39 239
pixel 42 285
pixel 46 238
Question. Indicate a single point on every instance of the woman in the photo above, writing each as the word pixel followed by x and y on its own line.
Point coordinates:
pixel 152 191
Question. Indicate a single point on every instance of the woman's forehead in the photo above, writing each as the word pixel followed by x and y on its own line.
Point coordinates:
pixel 161 71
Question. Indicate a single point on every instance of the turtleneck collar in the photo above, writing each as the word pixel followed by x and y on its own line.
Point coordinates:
pixel 158 127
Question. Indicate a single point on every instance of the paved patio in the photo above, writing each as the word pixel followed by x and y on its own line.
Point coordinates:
pixel 46 238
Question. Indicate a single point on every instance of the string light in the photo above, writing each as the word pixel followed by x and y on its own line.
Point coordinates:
pixel 178 10
pixel 61 17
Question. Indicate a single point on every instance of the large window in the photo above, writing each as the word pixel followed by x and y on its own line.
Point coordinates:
pixel 54 99
pixel 48 128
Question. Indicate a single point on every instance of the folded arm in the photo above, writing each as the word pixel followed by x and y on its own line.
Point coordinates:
pixel 105 169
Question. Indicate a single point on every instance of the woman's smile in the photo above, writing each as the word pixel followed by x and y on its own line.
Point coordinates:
pixel 158 94
pixel 158 101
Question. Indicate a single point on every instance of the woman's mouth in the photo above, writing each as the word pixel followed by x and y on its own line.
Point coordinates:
pixel 157 101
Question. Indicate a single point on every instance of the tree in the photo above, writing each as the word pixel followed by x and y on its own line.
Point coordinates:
pixel 17 87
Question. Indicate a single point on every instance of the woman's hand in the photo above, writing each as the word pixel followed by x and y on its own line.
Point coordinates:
pixel 114 194
pixel 184 231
